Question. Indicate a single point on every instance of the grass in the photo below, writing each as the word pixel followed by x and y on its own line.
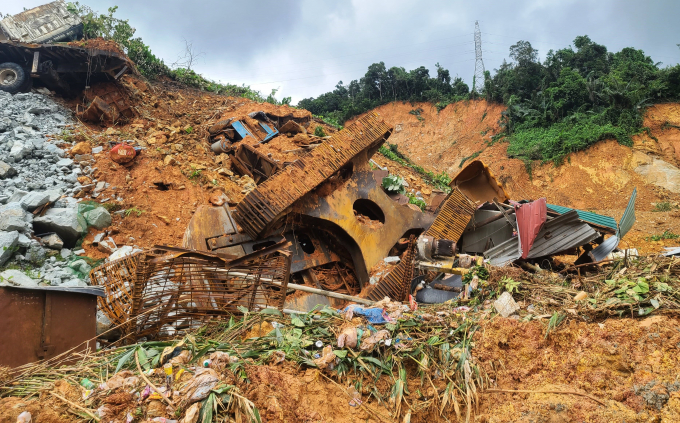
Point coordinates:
pixel 663 207
pixel 440 181
pixel 470 157
pixel 664 235
pixel 135 210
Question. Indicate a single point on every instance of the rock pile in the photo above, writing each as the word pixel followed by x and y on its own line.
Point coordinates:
pixel 35 172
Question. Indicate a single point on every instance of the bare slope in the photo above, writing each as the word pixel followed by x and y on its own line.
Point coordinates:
pixel 599 179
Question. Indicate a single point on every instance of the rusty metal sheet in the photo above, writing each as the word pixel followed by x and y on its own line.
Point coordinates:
pixel 43 323
pixel 478 183
pixel 161 291
pixel 530 220
pixel 249 161
pixel 454 215
pixel 264 206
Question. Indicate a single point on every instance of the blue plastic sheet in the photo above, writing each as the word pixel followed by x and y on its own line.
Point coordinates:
pixel 377 316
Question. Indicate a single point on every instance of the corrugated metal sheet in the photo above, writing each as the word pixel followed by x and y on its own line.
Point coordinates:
pixel 530 220
pixel 586 216
pixel 601 252
pixel 504 253
pixel 628 218
pixel 475 239
pixel 560 234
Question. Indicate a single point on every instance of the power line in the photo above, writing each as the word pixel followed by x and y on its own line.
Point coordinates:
pixel 478 82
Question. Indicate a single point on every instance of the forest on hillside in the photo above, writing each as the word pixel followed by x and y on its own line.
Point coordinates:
pixel 577 96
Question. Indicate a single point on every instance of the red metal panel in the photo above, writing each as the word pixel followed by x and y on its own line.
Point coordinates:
pixel 530 220
pixel 41 324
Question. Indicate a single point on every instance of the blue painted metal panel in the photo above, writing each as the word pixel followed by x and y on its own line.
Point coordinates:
pixel 270 133
pixel 241 129
pixel 586 216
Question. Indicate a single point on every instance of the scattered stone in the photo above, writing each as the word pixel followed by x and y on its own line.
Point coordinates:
pixel 81 158
pixel 169 160
pixel 98 238
pixel 164 219
pixel 17 196
pixel 105 247
pixel 53 241
pixel 14 277
pixel 74 283
pixel 8 242
pixel 99 218
pixel 7 171
pixel 24 241
pixel 225 172
pixel 122 252
pixel 81 266
pixel 81 148
pixel 505 305
pixel 35 253
pixel 64 162
pixel 65 253
pixel 79 252
pixel 392 259
pixel 218 198
pixel 97 150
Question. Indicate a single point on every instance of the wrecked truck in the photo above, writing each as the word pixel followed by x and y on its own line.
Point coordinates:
pixel 33 47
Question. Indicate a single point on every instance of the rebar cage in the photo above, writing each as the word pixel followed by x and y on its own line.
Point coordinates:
pixel 161 291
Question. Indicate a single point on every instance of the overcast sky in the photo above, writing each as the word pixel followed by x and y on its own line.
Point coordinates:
pixel 304 47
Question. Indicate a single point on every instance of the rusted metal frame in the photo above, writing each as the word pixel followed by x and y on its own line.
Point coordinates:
pixel 505 214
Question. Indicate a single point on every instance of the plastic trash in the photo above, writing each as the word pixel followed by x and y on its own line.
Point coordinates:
pixel 163 420
pixel 122 378
pixel 356 397
pixel 24 417
pixel 374 315
pixel 199 387
pixel 369 343
pixel 326 358
pixel 87 384
pixel 220 360
pixel 192 414
pixel 348 338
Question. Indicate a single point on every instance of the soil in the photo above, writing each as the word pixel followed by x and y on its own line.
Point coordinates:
pixel 171 127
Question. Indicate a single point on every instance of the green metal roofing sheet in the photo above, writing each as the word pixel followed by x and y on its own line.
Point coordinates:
pixel 586 216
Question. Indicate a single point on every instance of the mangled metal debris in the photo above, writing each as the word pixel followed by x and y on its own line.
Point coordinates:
pixel 160 291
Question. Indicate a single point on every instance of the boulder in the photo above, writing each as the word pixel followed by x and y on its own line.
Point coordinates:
pixel 14 277
pixel 7 171
pixel 34 199
pixel 74 283
pixel 13 217
pixel 66 222
pixel 8 243
pixel 17 196
pixel 99 218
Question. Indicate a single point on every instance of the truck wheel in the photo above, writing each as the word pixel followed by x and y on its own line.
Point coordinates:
pixel 12 77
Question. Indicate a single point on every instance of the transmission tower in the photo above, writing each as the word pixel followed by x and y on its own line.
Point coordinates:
pixel 479 63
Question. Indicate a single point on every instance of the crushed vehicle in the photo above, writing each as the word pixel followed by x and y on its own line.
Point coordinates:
pixel 34 47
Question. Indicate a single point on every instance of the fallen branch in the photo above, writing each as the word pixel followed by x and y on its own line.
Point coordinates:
pixel 84 410
pixel 511 391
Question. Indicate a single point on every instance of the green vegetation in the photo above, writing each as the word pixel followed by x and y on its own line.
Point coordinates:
pixel 381 86
pixel 135 210
pixel 577 96
pixel 319 132
pixel 440 181
pixel 664 235
pixel 109 27
pixel 664 206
